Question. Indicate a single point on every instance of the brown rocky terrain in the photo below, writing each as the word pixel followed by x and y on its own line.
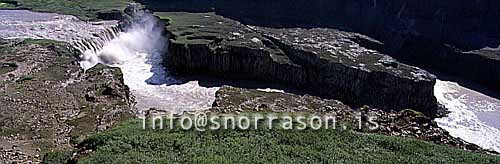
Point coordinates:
pixel 49 103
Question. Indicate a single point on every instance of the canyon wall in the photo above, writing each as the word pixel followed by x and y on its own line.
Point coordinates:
pixel 417 32
pixel 326 62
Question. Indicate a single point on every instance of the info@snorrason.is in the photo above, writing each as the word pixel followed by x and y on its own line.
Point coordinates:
pixel 203 121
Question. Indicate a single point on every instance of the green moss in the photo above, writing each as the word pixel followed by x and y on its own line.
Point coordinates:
pixel 129 143
pixel 6 5
pixel 25 78
pixel 162 17
pixel 58 157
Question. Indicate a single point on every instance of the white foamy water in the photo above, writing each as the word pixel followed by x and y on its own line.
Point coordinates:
pixel 27 24
pixel 138 53
pixel 474 116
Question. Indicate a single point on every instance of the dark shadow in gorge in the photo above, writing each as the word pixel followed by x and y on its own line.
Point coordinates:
pixel 218 81
pixel 161 75
pixel 210 80
pixel 405 27
pixel 463 82
pixel 472 70
pixel 463 23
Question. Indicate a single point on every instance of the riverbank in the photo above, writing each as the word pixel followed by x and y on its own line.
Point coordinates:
pixel 107 100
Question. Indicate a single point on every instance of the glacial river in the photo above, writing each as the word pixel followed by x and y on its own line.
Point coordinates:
pixel 474 117
pixel 137 52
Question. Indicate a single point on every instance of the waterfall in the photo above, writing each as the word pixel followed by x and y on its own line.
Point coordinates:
pixel 97 41
pixel 137 49
pixel 91 47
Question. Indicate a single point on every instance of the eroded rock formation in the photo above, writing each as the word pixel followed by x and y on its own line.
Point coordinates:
pixel 437 35
pixel 407 123
pixel 326 62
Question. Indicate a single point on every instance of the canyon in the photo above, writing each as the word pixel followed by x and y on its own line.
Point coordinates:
pixel 436 35
pixel 429 69
pixel 462 51
pixel 322 61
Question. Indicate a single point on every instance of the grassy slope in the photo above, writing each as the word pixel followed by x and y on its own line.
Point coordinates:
pixel 128 143
pixel 84 9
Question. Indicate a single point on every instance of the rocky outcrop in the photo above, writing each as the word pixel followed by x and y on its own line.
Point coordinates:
pixel 233 99
pixel 405 27
pixel 326 62
pixel 406 123
pixel 48 102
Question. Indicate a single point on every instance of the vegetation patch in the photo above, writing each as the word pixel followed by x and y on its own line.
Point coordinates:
pixel 4 5
pixel 58 157
pixel 25 78
pixel 162 17
pixel 129 143
pixel 83 9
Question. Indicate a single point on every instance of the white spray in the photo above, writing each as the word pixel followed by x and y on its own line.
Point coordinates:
pixel 138 53
pixel 142 36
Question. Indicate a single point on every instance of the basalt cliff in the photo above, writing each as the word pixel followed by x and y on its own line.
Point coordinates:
pixel 458 38
pixel 326 62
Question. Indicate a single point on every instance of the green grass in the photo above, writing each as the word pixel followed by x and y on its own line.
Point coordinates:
pixel 6 5
pixel 25 78
pixel 129 143
pixel 84 9
pixel 57 157
pixel 164 18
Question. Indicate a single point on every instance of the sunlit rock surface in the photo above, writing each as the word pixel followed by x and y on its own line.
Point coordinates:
pixel 48 102
pixel 327 62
